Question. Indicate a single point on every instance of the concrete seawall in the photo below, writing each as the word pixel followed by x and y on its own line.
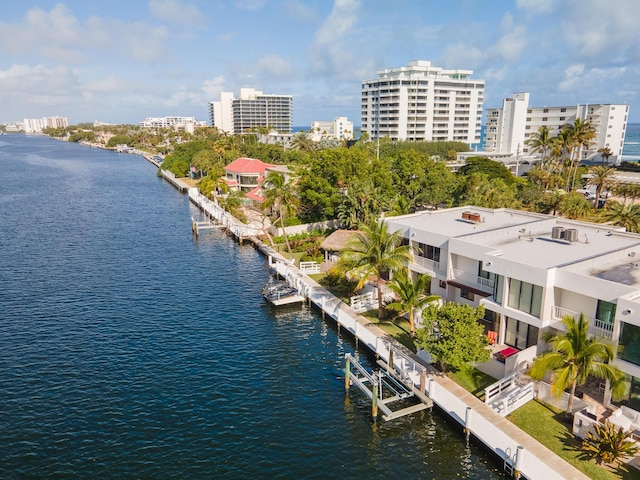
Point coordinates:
pixel 533 460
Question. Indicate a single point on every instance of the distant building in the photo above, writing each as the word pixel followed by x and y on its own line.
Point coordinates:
pixel 186 124
pixel 339 128
pixel 36 125
pixel 422 102
pixel 508 128
pixel 253 109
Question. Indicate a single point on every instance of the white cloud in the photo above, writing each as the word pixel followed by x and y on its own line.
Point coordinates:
pixel 300 11
pixel 33 80
pixel 329 51
pixel 275 66
pixel 213 87
pixel 177 12
pixel 572 77
pixel 536 6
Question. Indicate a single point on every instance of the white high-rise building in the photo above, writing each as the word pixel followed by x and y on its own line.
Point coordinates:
pixel 422 102
pixel 339 128
pixel 35 125
pixel 508 128
pixel 253 109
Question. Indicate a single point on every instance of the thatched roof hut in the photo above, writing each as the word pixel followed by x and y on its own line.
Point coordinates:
pixel 338 240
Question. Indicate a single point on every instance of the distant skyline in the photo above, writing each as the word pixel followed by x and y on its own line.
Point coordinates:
pixel 122 61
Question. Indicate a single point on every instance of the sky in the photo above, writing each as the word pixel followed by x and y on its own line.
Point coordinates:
pixel 121 61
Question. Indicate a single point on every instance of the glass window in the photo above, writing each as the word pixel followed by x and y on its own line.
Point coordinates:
pixel 520 335
pixel 526 289
pixel 606 311
pixel 514 293
pixel 511 332
pixel 523 331
pixel 629 343
pixel 536 301
pixel 498 289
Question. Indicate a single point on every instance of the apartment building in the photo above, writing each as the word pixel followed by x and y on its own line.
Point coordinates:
pixel 340 128
pixel 36 125
pixel 251 110
pixel 423 102
pixel 507 129
pixel 186 124
pixel 529 271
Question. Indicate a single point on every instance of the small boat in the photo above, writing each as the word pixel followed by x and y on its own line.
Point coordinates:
pixel 281 293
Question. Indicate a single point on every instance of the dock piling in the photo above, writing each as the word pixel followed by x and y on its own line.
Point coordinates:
pixel 467 422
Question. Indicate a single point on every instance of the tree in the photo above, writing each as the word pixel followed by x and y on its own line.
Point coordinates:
pixel 411 294
pixel 603 178
pixel 541 142
pixel 452 335
pixel 574 205
pixel 609 443
pixel 583 134
pixel 574 355
pixel 280 195
pixel 605 154
pixel 623 215
pixel 302 141
pixel 374 252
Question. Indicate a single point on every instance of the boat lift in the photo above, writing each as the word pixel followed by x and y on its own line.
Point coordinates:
pixel 384 388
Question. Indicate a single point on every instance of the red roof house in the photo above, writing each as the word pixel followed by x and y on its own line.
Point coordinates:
pixel 245 174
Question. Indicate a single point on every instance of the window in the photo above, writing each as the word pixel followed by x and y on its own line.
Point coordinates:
pixel 525 297
pixel 606 312
pixel 429 251
pixel 443 284
pixel 629 343
pixel 464 293
pixel 498 289
pixel 519 334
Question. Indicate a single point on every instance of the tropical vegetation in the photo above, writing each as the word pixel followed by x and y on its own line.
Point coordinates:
pixel 574 355
pixel 607 443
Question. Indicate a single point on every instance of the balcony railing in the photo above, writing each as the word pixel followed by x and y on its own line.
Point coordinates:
pixel 473 280
pixel 597 328
pixel 426 263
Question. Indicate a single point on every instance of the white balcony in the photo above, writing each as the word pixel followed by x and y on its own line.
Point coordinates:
pixel 597 328
pixel 425 264
pixel 472 280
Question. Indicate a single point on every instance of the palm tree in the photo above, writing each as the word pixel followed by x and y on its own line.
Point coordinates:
pixel 623 215
pixel 303 142
pixel 609 443
pixel 372 252
pixel 605 154
pixel 603 178
pixel 541 142
pixel 573 205
pixel 411 294
pixel 573 357
pixel 280 195
pixel 583 134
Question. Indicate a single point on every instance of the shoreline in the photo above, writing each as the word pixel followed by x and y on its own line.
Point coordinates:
pixel 497 434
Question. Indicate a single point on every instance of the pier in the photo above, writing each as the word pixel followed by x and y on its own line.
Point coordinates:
pixel 522 456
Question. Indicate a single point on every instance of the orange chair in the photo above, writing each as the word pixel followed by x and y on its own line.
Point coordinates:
pixel 492 336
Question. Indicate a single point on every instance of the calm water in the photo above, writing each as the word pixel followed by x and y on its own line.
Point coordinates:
pixel 631 148
pixel 128 350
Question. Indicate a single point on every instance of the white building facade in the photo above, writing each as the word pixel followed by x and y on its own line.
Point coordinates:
pixel 251 110
pixel 36 125
pixel 186 124
pixel 508 128
pixel 529 271
pixel 422 102
pixel 340 128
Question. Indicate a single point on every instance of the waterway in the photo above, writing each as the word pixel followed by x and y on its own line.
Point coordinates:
pixel 130 350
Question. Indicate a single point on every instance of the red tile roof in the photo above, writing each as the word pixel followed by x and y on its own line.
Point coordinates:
pixel 255 195
pixel 248 165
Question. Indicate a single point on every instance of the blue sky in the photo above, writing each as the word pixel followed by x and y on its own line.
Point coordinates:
pixel 122 61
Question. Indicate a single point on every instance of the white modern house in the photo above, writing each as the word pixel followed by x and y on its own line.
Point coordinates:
pixel 423 102
pixel 508 128
pixel 529 271
pixel 252 109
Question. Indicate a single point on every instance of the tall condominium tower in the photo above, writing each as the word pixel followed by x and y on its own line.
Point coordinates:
pixel 508 128
pixel 253 109
pixel 421 102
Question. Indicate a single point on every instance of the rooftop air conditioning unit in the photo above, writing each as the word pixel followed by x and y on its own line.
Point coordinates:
pixel 571 234
pixel 557 233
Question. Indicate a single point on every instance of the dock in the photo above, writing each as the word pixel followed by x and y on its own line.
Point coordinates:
pixel 522 455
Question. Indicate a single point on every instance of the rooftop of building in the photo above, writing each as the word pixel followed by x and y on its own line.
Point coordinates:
pixel 537 240
pixel 248 165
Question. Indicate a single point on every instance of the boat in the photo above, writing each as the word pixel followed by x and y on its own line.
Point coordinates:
pixel 281 293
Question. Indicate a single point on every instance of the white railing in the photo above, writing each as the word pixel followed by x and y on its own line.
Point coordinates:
pixel 597 328
pixel 508 394
pixel 470 278
pixel 426 263
pixel 309 267
pixel 364 302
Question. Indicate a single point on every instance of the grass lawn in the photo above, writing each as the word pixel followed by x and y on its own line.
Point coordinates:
pixel 397 327
pixel 472 380
pixel 546 424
